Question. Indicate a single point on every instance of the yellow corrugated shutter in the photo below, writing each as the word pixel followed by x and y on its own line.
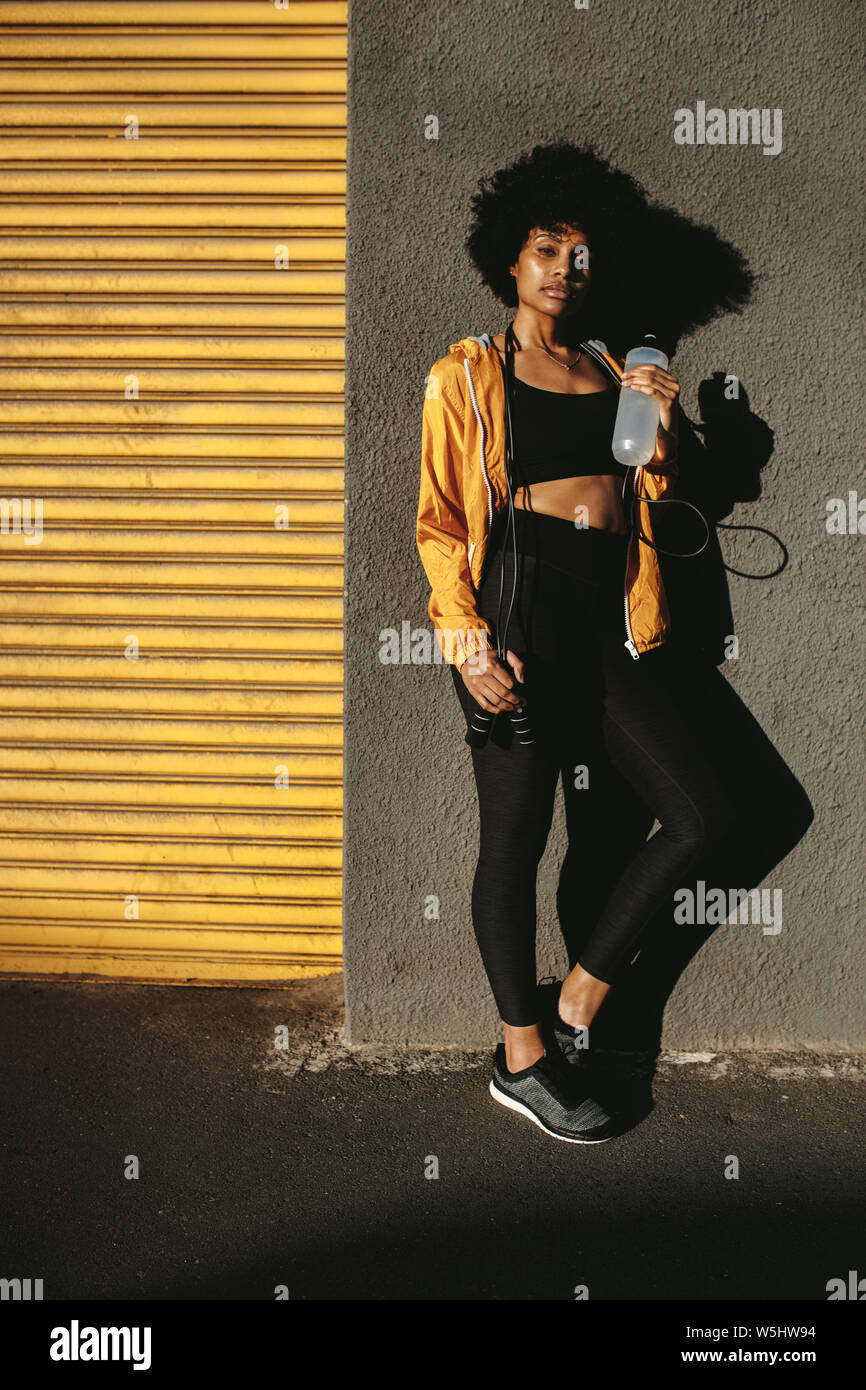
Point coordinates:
pixel 172 216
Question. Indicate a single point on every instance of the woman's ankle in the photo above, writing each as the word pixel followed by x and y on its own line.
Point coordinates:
pixel 577 1013
pixel 523 1046
pixel 581 997
pixel 518 1059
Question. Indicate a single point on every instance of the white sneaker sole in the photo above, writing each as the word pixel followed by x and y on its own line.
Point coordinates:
pixel 511 1104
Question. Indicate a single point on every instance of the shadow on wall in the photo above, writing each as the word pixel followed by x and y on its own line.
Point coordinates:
pixel 714 476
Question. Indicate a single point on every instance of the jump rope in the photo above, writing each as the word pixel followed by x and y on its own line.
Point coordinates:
pixel 482 719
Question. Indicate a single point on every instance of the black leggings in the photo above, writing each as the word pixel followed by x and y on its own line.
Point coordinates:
pixel 609 726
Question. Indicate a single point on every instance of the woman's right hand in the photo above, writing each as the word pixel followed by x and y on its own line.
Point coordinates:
pixel 491 682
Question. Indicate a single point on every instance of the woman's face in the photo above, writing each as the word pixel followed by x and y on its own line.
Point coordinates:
pixel 552 271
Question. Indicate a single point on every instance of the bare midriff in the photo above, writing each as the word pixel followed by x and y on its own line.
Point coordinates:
pixel 598 497
pixel 599 494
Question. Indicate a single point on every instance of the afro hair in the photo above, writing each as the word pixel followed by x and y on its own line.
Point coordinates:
pixel 652 270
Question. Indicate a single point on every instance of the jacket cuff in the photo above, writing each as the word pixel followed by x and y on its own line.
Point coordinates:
pixel 458 644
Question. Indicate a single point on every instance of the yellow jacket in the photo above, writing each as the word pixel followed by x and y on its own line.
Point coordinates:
pixel 463 486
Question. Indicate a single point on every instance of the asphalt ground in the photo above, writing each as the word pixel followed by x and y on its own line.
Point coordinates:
pixel 340 1173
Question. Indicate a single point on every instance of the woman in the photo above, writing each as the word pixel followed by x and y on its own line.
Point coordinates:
pixel 604 693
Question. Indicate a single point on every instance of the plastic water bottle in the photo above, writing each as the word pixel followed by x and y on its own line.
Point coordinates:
pixel 637 416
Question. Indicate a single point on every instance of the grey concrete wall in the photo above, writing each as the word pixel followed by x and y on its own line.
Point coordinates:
pixel 500 78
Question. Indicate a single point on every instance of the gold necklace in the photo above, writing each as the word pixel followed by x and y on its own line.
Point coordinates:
pixel 567 365
pixel 532 348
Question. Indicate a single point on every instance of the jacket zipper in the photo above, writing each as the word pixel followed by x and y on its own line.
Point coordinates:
pixel 629 642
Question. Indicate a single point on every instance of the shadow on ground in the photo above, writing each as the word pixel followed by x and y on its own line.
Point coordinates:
pixel 309 1167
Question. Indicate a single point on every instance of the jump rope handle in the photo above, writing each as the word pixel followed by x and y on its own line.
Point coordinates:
pixel 481 722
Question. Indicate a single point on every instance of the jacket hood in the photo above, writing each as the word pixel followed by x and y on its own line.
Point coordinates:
pixel 471 346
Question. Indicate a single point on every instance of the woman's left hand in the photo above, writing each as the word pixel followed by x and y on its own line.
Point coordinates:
pixel 659 384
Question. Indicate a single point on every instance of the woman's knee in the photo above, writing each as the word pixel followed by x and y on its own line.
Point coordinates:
pixel 512 854
pixel 703 823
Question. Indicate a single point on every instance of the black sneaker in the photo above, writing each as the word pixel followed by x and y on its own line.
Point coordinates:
pixel 572 1042
pixel 551 1095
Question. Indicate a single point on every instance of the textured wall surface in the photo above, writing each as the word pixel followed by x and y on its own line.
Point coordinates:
pixel 500 78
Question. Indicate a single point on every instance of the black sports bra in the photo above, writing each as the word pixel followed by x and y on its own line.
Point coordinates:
pixel 560 435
